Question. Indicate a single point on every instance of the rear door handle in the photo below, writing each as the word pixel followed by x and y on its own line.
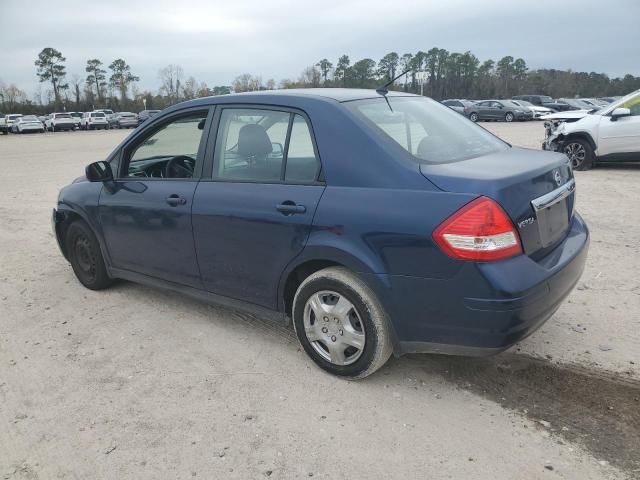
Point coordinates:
pixel 290 208
pixel 175 200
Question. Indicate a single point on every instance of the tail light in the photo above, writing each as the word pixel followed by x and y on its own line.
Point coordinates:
pixel 480 231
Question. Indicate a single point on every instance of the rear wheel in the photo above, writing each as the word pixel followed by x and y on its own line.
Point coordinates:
pixel 508 117
pixel 83 251
pixel 579 152
pixel 473 117
pixel 341 324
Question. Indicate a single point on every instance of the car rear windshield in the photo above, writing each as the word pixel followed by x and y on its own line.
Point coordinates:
pixel 63 115
pixel 429 131
pixel 97 114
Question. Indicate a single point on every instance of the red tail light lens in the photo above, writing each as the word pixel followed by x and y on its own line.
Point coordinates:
pixel 480 231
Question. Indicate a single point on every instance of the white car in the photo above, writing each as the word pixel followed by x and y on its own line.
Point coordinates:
pixel 76 116
pixel 93 121
pixel 108 113
pixel 56 122
pixel 537 110
pixel 7 122
pixel 609 134
pixel 26 124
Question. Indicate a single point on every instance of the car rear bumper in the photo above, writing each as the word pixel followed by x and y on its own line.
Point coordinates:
pixel 486 308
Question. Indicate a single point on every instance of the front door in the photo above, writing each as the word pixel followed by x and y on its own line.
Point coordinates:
pixel 255 214
pixel 146 214
pixel 622 135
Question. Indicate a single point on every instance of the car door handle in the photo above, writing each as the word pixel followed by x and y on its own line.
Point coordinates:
pixel 290 208
pixel 175 200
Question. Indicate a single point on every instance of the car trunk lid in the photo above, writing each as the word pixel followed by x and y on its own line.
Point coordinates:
pixel 535 189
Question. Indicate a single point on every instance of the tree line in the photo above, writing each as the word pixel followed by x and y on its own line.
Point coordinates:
pixel 437 73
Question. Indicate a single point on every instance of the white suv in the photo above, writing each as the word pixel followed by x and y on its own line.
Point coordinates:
pixel 94 120
pixel 59 121
pixel 609 134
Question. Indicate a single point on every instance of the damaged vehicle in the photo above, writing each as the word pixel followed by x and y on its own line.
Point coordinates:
pixel 611 134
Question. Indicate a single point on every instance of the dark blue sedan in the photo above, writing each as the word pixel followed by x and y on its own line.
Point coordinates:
pixel 379 222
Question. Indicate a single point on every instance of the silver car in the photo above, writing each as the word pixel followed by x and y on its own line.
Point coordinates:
pixel 126 120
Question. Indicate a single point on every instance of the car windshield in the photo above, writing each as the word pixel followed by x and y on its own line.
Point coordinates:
pixel 429 131
pixel 546 99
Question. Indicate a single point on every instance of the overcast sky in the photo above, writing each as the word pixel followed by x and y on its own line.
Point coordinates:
pixel 215 41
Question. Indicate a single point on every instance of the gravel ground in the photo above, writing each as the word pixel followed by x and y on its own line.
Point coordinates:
pixel 139 383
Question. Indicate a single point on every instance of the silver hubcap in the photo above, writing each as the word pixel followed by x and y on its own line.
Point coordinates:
pixel 576 153
pixel 509 117
pixel 333 327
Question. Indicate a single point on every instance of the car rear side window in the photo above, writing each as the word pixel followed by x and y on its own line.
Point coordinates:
pixel 269 146
pixel 429 131
pixel 302 164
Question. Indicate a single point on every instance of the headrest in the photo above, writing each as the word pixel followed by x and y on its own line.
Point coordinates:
pixel 430 147
pixel 253 141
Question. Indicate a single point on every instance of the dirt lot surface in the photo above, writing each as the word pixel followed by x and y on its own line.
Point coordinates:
pixel 138 383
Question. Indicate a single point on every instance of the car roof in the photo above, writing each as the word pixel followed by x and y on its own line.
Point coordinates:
pixel 338 94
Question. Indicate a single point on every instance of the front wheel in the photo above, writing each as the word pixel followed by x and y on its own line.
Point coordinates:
pixel 508 117
pixel 341 324
pixel 579 152
pixel 83 251
pixel 473 117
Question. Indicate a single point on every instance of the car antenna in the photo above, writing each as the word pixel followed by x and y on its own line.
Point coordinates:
pixel 383 90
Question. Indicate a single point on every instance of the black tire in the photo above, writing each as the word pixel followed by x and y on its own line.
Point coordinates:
pixel 83 252
pixel 473 116
pixel 369 317
pixel 580 153
pixel 509 117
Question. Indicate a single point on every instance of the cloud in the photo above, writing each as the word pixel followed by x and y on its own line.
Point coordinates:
pixel 215 41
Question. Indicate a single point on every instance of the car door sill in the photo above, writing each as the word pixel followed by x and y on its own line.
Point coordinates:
pixel 202 295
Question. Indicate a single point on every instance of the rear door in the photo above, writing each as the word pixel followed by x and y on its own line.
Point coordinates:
pixel 254 214
pixel 146 214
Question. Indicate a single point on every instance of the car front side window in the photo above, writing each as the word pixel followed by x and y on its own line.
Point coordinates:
pixel 171 151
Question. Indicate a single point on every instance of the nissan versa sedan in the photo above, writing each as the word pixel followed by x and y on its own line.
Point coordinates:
pixel 379 222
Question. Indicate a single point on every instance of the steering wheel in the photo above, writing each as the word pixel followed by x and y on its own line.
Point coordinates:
pixel 180 166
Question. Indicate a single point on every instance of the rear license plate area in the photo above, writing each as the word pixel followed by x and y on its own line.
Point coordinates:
pixel 553 222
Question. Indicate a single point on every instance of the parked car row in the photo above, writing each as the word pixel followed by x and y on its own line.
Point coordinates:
pixel 101 119
pixel 522 107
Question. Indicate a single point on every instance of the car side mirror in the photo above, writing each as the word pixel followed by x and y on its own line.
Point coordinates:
pixel 620 112
pixel 99 172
